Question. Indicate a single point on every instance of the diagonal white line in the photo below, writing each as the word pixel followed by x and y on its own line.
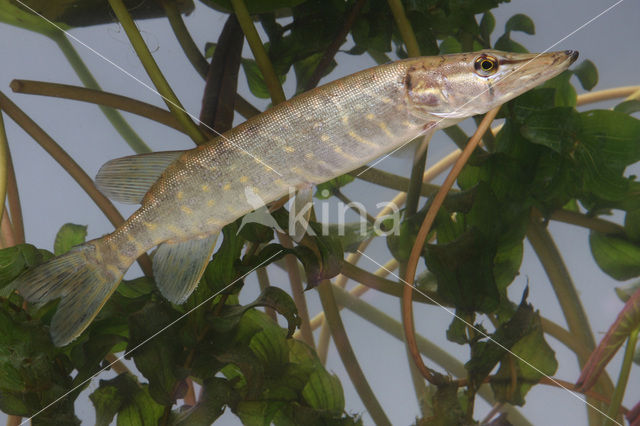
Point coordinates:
pixel 501 346
pixel 148 339
pixel 384 157
pixel 127 73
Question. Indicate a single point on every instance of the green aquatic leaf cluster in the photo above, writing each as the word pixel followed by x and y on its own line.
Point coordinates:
pixel 241 359
pixel 547 157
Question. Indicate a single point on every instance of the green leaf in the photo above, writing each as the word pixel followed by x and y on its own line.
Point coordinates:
pixel 142 410
pixel 14 260
pixel 533 359
pixel 305 68
pixel 327 189
pixel 520 22
pixel 628 107
pixel 216 393
pixel 271 297
pixel 565 95
pixel 632 224
pixel 617 257
pixel 209 49
pixel 446 407
pixel 158 359
pixel 255 80
pixel 324 392
pixel 457 331
pixel 132 289
pixel 81 13
pixel 107 401
pixel 464 269
pixel 587 73
pixel 505 43
pixel 254 6
pixel 507 263
pixel 68 236
pixel 555 128
pixel 487 24
pixel 33 373
pixel 609 142
pixel 352 234
pixel 450 45
pixel 485 355
pixel 270 346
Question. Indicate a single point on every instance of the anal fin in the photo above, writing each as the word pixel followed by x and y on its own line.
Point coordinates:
pixel 178 267
pixel 128 179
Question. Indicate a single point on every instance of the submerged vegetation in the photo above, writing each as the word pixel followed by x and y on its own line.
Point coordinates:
pixel 546 162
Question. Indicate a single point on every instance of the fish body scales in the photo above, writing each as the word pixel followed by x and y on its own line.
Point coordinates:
pixel 187 197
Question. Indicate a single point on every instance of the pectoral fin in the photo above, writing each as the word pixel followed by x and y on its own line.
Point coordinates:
pixel 128 179
pixel 301 211
pixel 178 267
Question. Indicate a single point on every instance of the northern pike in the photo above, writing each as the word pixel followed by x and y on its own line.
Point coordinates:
pixel 186 197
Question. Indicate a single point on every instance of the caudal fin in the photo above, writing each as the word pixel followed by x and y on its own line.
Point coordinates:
pixel 82 283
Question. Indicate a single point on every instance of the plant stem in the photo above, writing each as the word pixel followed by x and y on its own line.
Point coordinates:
pixel 413 199
pixel 404 26
pixel 593 223
pixel 263 282
pixel 429 349
pixel 114 117
pixel 71 167
pixel 15 208
pixel 112 100
pixel 567 296
pixel 348 356
pixel 331 51
pixel 383 285
pixel 605 95
pixel 623 378
pixel 150 65
pixel 391 181
pixel 457 135
pixel 565 337
pixel 197 59
pixel 4 172
pixel 551 259
pixel 259 53
pixel 181 32
pixel 297 291
pixel 412 264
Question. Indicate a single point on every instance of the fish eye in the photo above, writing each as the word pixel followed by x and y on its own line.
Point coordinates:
pixel 486 65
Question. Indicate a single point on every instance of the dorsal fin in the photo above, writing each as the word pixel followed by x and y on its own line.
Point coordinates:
pixel 128 179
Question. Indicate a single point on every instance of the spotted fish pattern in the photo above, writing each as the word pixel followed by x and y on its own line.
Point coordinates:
pixel 186 197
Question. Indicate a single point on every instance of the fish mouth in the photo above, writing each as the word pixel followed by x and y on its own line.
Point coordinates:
pixel 572 54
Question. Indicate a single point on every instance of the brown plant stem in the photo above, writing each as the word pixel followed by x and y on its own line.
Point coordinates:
pixel 391 181
pixel 99 97
pixel 70 166
pixel 263 282
pixel 13 198
pixel 412 264
pixel 593 223
pixel 7 238
pixel 331 51
pixel 297 291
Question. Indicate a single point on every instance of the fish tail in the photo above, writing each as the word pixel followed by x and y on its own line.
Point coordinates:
pixel 83 279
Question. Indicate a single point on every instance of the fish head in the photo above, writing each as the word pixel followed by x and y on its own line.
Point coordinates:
pixel 453 87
